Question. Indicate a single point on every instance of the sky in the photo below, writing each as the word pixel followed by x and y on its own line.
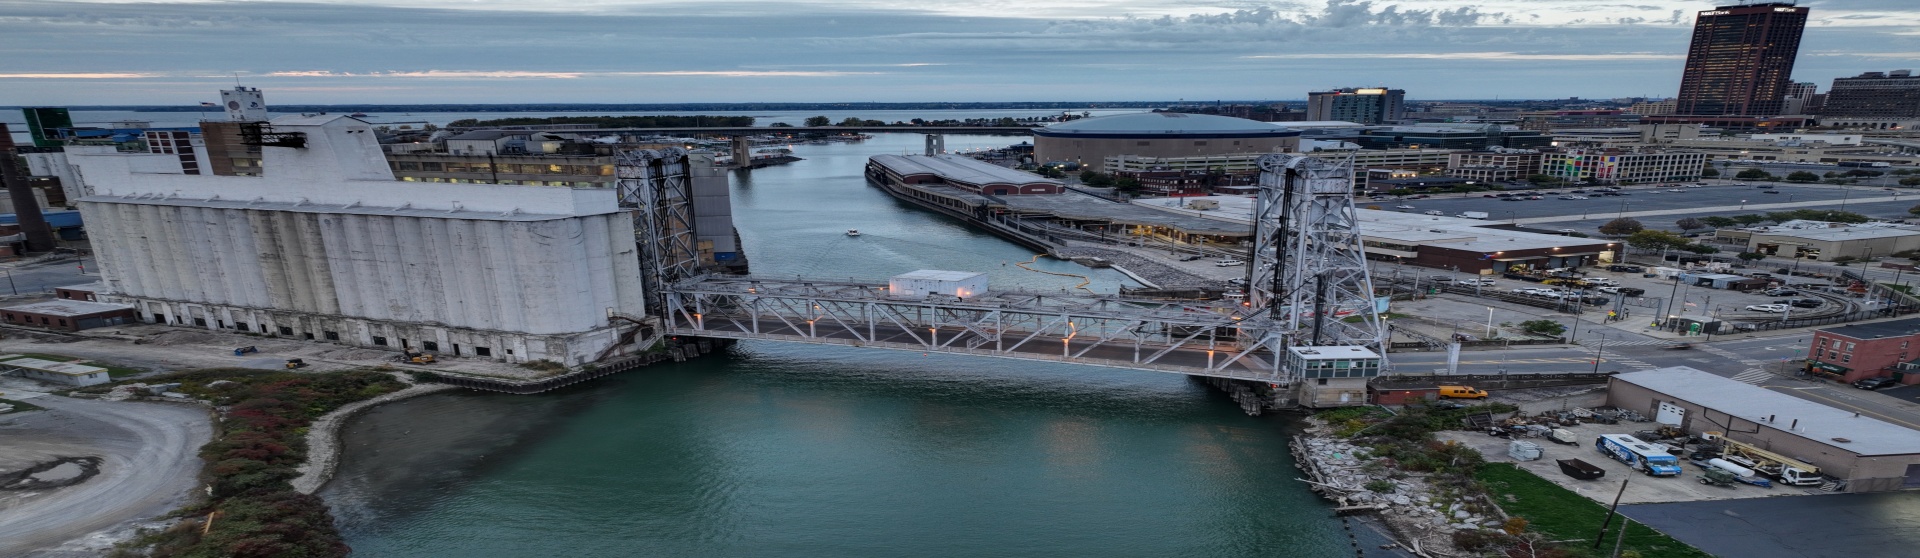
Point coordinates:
pixel 93 52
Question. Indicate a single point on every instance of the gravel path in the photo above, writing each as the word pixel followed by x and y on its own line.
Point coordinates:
pixel 323 436
pixel 149 467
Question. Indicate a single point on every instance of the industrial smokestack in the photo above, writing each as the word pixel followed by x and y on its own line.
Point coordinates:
pixel 26 211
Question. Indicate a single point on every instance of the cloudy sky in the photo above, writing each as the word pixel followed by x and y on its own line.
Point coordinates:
pixel 480 51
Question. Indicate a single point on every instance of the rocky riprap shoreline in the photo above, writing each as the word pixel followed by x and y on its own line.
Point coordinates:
pixel 1420 518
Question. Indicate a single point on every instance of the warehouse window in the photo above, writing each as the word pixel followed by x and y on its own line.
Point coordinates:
pixel 309 335
pixel 482 351
pixel 242 326
pixel 200 322
pixel 284 330
pixel 332 335
pixel 378 340
pixel 430 346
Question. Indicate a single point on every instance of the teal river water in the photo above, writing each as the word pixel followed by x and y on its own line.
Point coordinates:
pixel 776 449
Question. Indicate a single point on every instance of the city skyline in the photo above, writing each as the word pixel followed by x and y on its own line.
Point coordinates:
pixel 609 51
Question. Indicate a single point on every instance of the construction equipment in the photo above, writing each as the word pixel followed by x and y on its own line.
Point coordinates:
pixel 1716 477
pixel 245 350
pixel 296 363
pixel 411 357
pixel 1778 467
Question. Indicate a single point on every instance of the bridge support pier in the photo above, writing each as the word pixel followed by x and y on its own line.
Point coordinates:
pixel 1254 398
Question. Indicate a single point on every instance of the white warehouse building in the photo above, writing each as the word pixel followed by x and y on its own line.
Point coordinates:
pixel 326 245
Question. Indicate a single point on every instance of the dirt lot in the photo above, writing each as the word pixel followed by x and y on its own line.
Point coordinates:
pixel 146 468
pixel 1641 489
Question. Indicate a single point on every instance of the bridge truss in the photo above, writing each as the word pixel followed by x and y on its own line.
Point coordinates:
pixel 1189 337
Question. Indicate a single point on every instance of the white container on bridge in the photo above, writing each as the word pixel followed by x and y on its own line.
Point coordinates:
pixel 928 282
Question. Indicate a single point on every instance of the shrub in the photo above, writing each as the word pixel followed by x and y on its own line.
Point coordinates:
pixel 1381 486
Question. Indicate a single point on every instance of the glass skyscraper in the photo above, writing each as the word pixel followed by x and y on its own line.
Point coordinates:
pixel 1741 61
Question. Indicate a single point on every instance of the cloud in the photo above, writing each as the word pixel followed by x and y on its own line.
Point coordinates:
pixel 515 74
pixel 1501 56
pixel 79 75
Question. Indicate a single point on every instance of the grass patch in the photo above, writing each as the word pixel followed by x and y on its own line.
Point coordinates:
pixel 21 406
pixel 260 439
pixel 1561 514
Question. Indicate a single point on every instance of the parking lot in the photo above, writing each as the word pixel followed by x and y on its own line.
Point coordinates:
pixel 1641 489
pixel 1727 197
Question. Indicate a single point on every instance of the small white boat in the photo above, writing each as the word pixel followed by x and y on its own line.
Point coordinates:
pixel 853 232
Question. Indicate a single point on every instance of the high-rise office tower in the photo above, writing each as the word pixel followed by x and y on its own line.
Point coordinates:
pixel 1741 61
pixel 1369 105
pixel 1894 94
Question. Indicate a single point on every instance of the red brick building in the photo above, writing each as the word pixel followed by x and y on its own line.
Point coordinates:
pixel 68 315
pixel 1854 352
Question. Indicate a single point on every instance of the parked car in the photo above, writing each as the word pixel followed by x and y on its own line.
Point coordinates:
pixel 1403 206
pixel 1632 291
pixel 1782 292
pixel 1229 262
pixel 1625 268
pixel 1609 289
pixel 1773 308
pixel 1806 303
pixel 1876 383
pixel 1435 212
pixel 1440 278
pixel 1772 191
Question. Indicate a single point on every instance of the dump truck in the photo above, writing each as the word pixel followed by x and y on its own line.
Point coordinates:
pixel 1772 465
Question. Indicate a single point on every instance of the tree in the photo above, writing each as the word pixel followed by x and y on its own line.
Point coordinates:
pixel 1718 221
pixel 817 121
pixel 1689 223
pixel 1914 210
pixel 1753 174
pixel 1910 182
pixel 1750 219
pixel 1656 240
pixel 1127 184
pixel 1621 227
pixel 1700 249
pixel 1710 172
pixel 1543 327
pixel 779 125
pixel 1541 179
pixel 1900 172
pixel 1751 256
pixel 1802 176
pixel 852 121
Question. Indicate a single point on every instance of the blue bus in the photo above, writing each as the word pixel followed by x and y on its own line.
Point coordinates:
pixel 1643 457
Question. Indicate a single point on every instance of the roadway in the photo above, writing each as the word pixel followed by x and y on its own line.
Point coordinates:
pixel 1756 359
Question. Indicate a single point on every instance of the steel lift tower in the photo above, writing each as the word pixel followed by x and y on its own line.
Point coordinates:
pixel 1308 277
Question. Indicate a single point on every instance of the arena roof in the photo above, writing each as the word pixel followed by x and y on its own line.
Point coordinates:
pixel 1165 125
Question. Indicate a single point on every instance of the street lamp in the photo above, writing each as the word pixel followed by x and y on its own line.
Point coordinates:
pixel 1599 351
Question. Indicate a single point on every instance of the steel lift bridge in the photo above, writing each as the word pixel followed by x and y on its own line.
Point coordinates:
pixel 1308 287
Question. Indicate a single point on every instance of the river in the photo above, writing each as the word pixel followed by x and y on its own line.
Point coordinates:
pixel 774 449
